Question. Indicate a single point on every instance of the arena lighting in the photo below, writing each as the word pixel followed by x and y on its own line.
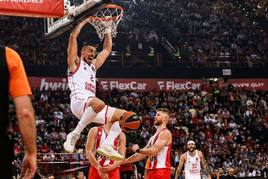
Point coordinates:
pixel 213 79
pixel 250 13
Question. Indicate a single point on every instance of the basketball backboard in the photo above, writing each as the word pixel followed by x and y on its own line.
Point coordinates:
pixel 74 14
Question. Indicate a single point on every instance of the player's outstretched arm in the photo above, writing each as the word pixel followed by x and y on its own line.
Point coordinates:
pixel 136 157
pixel 162 140
pixel 107 48
pixel 72 46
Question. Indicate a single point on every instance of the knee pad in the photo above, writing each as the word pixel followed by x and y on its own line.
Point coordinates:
pixel 130 121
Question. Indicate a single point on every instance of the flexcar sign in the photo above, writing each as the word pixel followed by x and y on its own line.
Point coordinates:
pixel 178 85
pixel 124 85
pixel 45 83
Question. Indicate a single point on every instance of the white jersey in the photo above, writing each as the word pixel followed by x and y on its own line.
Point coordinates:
pixel 192 166
pixel 82 82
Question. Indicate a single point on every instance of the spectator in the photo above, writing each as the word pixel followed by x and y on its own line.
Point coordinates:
pixel 208 34
pixel 265 171
pixel 50 176
pixel 80 175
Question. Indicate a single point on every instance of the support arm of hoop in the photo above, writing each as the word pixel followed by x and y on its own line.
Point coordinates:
pixel 66 23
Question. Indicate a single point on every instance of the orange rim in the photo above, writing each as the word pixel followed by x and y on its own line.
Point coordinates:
pixel 110 6
pixel 113 6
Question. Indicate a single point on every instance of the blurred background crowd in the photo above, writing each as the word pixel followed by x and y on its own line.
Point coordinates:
pixel 193 33
pixel 229 125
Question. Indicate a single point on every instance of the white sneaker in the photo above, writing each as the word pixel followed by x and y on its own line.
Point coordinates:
pixel 109 152
pixel 70 142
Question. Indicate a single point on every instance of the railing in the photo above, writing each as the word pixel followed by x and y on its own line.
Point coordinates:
pixel 65 165
pixel 57 162
pixel 132 59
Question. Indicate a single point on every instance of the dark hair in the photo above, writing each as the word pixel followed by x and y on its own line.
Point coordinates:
pixel 77 173
pixel 164 110
pixel 90 44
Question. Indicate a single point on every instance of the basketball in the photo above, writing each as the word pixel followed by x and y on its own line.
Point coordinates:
pixel 130 121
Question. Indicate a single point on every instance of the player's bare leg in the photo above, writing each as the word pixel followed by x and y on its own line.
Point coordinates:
pixel 95 105
pixel 121 119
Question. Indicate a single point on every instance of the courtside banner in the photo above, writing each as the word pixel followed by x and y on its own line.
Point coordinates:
pixel 32 8
pixel 46 83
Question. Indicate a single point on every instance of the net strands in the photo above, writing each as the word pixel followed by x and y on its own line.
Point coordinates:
pixel 106 20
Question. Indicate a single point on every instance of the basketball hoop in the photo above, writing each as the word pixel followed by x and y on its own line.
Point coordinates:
pixel 106 20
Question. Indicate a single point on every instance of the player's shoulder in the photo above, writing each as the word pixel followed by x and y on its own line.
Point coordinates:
pixel 165 132
pixel 166 135
pixel 200 153
pixel 11 52
pixel 184 155
pixel 93 130
pixel 13 58
pixel 122 136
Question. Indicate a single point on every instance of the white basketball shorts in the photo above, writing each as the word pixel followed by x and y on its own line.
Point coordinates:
pixel 192 176
pixel 78 107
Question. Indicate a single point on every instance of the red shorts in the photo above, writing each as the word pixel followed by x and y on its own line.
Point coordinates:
pixel 159 173
pixel 93 174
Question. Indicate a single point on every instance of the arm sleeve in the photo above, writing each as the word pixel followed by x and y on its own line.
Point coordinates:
pixel 18 83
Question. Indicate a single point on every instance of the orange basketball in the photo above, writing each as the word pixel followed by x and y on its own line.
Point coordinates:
pixel 130 121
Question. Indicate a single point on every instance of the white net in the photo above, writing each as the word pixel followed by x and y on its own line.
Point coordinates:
pixel 106 20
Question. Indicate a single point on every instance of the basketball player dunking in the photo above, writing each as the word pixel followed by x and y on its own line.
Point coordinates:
pixel 158 148
pixel 100 164
pixel 192 161
pixel 84 104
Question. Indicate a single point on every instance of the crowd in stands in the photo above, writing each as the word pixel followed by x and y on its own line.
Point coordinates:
pixel 229 125
pixel 203 34
pixel 261 7
pixel 207 33
pixel 26 35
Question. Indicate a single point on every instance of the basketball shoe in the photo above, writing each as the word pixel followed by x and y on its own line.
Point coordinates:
pixel 70 142
pixel 109 152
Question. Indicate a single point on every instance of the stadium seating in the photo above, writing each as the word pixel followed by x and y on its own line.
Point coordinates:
pixel 229 125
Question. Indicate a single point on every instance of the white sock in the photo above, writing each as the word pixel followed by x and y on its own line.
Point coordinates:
pixel 86 119
pixel 113 133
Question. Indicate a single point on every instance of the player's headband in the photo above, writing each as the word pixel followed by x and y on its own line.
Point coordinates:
pixel 190 142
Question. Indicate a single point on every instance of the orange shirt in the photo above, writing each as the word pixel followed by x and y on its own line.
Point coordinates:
pixel 18 82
